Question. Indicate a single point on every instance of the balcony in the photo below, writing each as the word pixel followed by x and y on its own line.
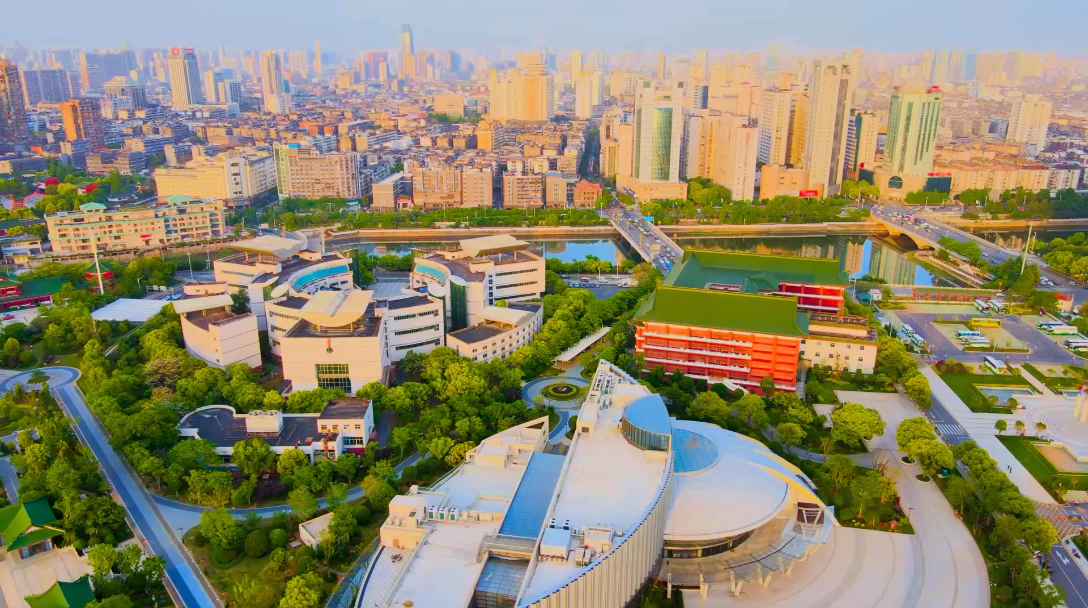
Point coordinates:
pixel 696 351
pixel 699 338
pixel 730 368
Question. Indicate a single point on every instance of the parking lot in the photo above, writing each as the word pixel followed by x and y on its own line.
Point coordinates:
pixel 1042 348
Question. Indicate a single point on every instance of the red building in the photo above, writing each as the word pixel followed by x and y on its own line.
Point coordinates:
pixel 27 294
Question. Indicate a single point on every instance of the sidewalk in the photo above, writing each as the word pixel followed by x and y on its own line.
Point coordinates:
pixel 948 398
pixel 1018 473
pixel 1032 380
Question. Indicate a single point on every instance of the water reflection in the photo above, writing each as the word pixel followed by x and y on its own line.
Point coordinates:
pixel 859 255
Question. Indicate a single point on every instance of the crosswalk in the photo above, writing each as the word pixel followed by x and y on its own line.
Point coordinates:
pixel 952 429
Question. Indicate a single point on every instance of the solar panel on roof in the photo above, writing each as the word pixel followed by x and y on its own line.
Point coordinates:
pixel 525 517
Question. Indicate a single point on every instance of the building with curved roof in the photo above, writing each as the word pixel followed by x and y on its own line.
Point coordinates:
pixel 639 496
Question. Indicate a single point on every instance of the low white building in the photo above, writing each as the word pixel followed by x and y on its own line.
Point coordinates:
pixel 309 532
pixel 481 273
pixel 213 331
pixel 343 426
pixel 502 331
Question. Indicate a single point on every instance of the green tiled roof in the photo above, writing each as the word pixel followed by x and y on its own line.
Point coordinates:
pixel 754 272
pixel 75 594
pixel 41 287
pixel 15 520
pixel 724 310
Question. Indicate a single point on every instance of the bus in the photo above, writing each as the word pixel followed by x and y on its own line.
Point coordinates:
pixel 917 340
pixel 976 342
pixel 997 307
pixel 984 322
pixel 1076 344
pixel 907 329
pixel 1062 330
pixel 982 306
pixel 1047 324
pixel 968 333
pixel 995 365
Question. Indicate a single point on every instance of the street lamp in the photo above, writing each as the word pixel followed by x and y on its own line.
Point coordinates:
pixel 190 265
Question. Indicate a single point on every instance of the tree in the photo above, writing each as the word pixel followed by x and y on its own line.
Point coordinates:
pixel 341 527
pixel 440 446
pixel 766 386
pixel 790 433
pixel 853 422
pixel 256 544
pixel 932 455
pixel 302 502
pixel 113 601
pixel 277 538
pixel 336 495
pixel 101 558
pixel 1020 427
pixel 217 526
pixel 1001 425
pixel 871 488
pixel 708 406
pixel 193 454
pixel 912 429
pixel 457 453
pixel 278 561
pixel 1037 533
pixel 841 468
pixel 751 407
pixel 959 492
pixel 917 388
pixel 303 591
pixel 252 456
pixel 378 492
pixel 291 461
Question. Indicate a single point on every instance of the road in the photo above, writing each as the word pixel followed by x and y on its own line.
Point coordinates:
pixel 1042 349
pixel 634 227
pixel 990 252
pixel 1069 577
pixel 10 479
pixel 129 491
pixel 946 425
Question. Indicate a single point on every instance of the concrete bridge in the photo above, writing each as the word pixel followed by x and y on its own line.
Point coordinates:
pixel 921 238
pixel 645 238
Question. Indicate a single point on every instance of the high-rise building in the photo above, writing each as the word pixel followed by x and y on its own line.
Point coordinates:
pixel 276 100
pixel 621 82
pixel 317 59
pixel 660 73
pixel 299 63
pixel 832 89
pixel 307 173
pixel 913 119
pixel 45 86
pixel 658 142
pixel 121 88
pixel 587 87
pixel 237 176
pixel 212 78
pixel 798 134
pixel 1028 122
pixel 940 74
pixel 13 125
pixel 83 120
pixel 774 127
pixel 407 52
pixel 575 65
pixel 861 142
pixel 526 93
pixel 735 153
pixel 90 71
pixel 184 74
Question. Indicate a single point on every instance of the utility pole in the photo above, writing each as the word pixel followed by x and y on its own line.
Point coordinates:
pixel 1024 262
pixel 97 268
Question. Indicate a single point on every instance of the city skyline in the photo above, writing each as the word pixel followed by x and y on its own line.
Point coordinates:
pixel 794 26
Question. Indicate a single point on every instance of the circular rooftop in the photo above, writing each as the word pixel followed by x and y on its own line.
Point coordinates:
pixel 646 423
pixel 726 484
pixel 692 452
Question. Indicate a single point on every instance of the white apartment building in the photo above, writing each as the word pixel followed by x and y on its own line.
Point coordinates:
pixel 213 332
pixel 482 272
pixel 276 100
pixel 832 93
pixel 179 218
pixel 306 172
pixel 1028 122
pixel 237 176
pixel 503 331
pixel 774 127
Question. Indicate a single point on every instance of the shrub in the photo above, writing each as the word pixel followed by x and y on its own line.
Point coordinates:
pixel 278 538
pixel 362 515
pixel 409 474
pixel 256 544
pixel 305 551
pixel 268 489
pixel 427 467
pixel 305 564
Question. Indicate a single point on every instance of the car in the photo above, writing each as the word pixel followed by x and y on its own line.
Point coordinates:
pixel 8 317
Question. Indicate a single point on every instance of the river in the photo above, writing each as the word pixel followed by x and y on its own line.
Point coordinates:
pixel 860 255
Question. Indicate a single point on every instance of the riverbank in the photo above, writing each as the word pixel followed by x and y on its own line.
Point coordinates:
pixel 1011 224
pixel 792 230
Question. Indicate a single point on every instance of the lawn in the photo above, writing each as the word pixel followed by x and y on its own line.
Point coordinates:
pixel 1054 383
pixel 964 387
pixel 1044 471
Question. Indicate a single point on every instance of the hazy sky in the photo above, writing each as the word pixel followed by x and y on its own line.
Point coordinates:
pixel 612 25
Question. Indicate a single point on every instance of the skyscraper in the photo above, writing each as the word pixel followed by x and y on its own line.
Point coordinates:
pixel 912 130
pixel 83 120
pixel 861 142
pixel 774 127
pixel 276 99
pixel 660 66
pixel 49 86
pixel 184 74
pixel 212 78
pixel 832 89
pixel 13 125
pixel 1028 122
pixel 90 71
pixel 735 154
pixel 298 62
pixel 659 131
pixel 575 65
pixel 317 58
pixel 407 52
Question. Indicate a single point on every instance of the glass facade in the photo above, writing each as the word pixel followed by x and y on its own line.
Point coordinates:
pixel 499 583
pixel 458 308
pixel 704 549
pixel 693 452
pixel 643 439
pixel 646 424
pixel 333 375
pixel 661 145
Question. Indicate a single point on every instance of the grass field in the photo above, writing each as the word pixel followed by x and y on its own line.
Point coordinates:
pixel 1044 471
pixel 964 387
pixel 1055 383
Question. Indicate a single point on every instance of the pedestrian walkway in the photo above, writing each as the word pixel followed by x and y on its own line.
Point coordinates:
pixel 1012 467
pixel 1032 380
pixel 948 398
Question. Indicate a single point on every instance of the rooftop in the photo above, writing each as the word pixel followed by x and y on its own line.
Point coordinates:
pixel 278 246
pixel 488 245
pixel 129 309
pixel 407 302
pixel 345 408
pixel 75 594
pixel 220 425
pixel 724 310
pixel 753 272
pixel 479 333
pixel 330 308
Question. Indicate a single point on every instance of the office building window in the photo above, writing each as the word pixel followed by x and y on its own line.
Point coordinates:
pixel 333 375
